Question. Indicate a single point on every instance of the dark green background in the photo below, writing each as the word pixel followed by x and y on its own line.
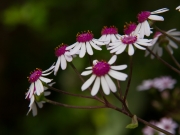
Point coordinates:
pixel 31 29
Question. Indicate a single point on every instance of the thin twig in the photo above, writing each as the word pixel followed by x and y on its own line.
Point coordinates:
pixel 68 93
pixel 164 62
pixel 72 106
pixel 172 57
pixel 129 80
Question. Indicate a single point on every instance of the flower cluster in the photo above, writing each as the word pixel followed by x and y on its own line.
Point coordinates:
pixel 161 83
pixel 165 123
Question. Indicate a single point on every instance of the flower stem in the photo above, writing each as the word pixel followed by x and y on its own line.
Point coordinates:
pixel 172 57
pixel 164 62
pixel 129 80
pixel 72 106
pixel 68 93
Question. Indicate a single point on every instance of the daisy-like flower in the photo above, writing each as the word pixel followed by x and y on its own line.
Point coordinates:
pixel 130 41
pixel 178 8
pixel 129 28
pixel 33 102
pixel 143 27
pixel 164 82
pixel 101 71
pixel 146 85
pixel 63 56
pixel 159 39
pixel 36 78
pixel 109 35
pixel 85 42
pixel 167 124
pixel 148 130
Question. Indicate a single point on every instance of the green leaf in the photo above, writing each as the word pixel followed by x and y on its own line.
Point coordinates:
pixel 134 123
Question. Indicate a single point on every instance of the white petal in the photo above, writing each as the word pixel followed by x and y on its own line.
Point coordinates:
pixel 117 75
pixel 112 47
pixel 46 80
pixel 139 47
pixel 39 87
pixel 88 82
pixel 103 38
pixel 147 28
pixel 115 43
pixel 95 86
pixel 97 42
pixel 40 104
pixel 89 48
pixel 63 62
pixel 123 47
pixel 95 46
pixel 171 43
pixel 68 58
pixel 113 38
pixel 30 91
pixel 89 68
pixel 47 93
pixel 120 67
pixel 86 73
pixel 76 48
pixel 144 43
pixel 71 46
pixel 49 68
pixel 82 50
pixel 137 29
pixel 105 86
pixel 156 18
pixel 110 83
pixel 130 50
pixel 116 49
pixel 113 59
pixel 34 109
pixel 31 101
pixel 162 10
pixel 57 66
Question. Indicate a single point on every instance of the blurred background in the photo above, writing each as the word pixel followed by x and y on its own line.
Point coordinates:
pixel 30 30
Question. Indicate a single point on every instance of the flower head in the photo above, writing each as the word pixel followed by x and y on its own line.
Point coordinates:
pixel 33 102
pixel 63 56
pixel 128 41
pixel 143 28
pixel 164 82
pixel 101 70
pixel 85 42
pixel 129 28
pixel 109 35
pixel 167 124
pixel 160 40
pixel 146 85
pixel 36 78
pixel 178 8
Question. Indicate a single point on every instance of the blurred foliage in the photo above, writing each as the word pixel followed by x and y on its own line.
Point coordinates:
pixel 30 30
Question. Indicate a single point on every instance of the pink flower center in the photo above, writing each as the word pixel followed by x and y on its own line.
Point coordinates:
pixel 129 28
pixel 60 50
pixel 143 16
pixel 35 75
pixel 101 68
pixel 109 30
pixel 84 37
pixel 129 39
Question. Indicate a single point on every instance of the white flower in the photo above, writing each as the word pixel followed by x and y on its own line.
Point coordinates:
pixel 63 56
pixel 146 85
pixel 159 38
pixel 109 35
pixel 164 82
pixel 101 71
pixel 85 42
pixel 148 130
pixel 36 78
pixel 167 124
pixel 143 27
pixel 178 8
pixel 32 105
pixel 130 41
